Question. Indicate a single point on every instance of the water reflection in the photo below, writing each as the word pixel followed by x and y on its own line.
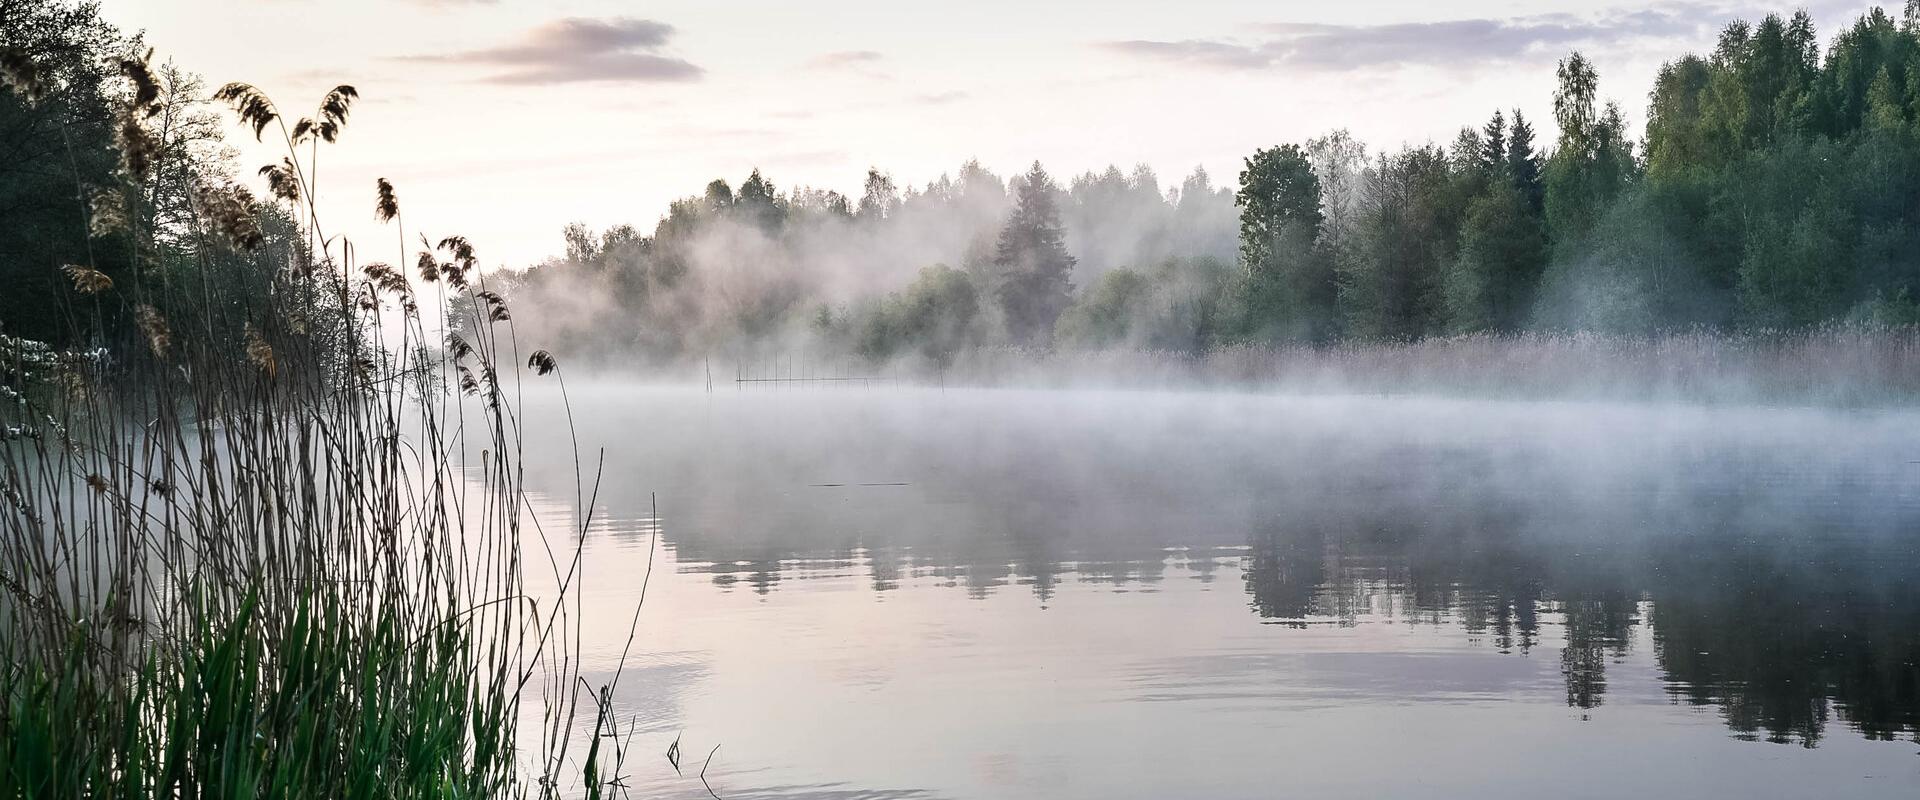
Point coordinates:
pixel 1780 639
pixel 1762 567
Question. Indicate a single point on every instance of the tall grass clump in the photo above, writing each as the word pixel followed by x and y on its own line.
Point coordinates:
pixel 265 535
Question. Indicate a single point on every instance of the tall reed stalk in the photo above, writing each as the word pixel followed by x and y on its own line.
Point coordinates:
pixel 272 541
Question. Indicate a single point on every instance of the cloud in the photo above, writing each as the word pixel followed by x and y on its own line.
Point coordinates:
pixel 577 50
pixel 845 58
pixel 1451 43
pixel 939 98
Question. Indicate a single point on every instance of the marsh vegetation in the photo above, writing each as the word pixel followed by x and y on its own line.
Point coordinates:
pixel 264 531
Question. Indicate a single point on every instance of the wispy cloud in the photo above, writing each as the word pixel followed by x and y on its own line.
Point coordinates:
pixel 578 50
pixel 939 98
pixel 845 58
pixel 1451 43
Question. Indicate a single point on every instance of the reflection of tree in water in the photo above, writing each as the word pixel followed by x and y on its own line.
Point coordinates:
pixel 883 566
pixel 1781 641
pixel 1284 575
pixel 1599 626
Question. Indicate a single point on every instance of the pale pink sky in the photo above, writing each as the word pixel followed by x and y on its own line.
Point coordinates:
pixel 505 120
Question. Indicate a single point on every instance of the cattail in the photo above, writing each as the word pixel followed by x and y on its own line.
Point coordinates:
pixel 154 327
pixel 542 362
pixel 283 180
pixel 87 280
pixel 387 206
pixel 259 352
pixel 251 104
pixel 19 73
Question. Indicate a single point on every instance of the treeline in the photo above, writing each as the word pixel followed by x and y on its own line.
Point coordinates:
pixel 119 204
pixel 966 260
pixel 1775 187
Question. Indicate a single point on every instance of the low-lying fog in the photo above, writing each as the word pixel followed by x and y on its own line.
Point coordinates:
pixel 898 591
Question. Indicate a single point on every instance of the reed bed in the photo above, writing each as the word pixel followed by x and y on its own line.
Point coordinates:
pixel 1835 365
pixel 271 541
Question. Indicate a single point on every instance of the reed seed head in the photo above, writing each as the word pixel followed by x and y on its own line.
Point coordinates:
pixel 251 104
pixel 87 280
pixel 146 89
pixel 154 327
pixel 386 207
pixel 228 210
pixel 259 352
pixel 106 212
pixel 283 180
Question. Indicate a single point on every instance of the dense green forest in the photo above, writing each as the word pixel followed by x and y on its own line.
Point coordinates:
pixel 1775 188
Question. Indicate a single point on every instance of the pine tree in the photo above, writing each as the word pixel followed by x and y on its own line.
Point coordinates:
pixel 1035 269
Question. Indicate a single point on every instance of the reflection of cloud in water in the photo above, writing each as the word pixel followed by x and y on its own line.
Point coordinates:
pixel 1265 682
pixel 652 691
pixel 824 791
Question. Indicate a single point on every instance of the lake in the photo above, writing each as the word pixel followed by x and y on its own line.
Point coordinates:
pixel 900 592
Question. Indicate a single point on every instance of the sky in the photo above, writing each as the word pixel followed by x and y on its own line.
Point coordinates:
pixel 504 120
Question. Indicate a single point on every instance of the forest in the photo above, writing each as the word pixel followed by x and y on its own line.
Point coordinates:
pixel 1774 189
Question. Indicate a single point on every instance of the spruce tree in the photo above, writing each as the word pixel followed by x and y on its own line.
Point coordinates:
pixel 1523 163
pixel 1493 144
pixel 1031 258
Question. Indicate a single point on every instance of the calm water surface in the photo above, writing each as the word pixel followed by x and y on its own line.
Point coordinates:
pixel 916 593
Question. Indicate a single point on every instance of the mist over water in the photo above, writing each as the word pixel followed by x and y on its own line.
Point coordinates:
pixel 900 591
